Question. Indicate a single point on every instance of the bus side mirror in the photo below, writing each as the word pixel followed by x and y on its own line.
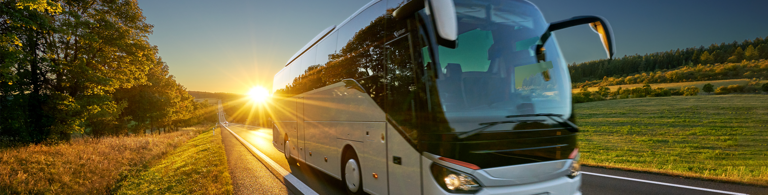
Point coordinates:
pixel 443 14
pixel 597 23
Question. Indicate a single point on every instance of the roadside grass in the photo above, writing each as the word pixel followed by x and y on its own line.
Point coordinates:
pixel 698 84
pixel 711 137
pixel 82 166
pixel 197 167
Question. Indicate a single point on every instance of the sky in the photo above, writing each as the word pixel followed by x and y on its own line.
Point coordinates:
pixel 234 45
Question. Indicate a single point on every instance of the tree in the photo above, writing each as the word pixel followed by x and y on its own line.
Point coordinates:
pixel 706 58
pixel 751 53
pixel 737 56
pixel 762 51
pixel 709 88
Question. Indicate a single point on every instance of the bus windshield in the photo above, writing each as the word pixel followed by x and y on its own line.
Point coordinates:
pixel 494 72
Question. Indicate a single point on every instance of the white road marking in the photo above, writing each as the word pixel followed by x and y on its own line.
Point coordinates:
pixel 666 184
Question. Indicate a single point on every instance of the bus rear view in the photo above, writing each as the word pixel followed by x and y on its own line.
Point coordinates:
pixel 474 97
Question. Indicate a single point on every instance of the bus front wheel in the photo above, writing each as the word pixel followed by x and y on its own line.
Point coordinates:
pixel 352 176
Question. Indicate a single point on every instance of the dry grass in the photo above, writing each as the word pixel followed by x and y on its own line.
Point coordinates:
pixel 197 167
pixel 82 166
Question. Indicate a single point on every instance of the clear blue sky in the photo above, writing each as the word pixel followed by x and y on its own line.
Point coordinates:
pixel 232 45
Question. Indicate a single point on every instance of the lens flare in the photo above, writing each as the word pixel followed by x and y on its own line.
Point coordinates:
pixel 258 94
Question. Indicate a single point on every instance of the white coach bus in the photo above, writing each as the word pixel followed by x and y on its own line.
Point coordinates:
pixel 435 97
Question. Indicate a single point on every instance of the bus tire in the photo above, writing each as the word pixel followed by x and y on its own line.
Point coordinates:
pixel 351 176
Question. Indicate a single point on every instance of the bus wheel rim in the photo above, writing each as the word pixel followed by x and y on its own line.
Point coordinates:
pixel 352 175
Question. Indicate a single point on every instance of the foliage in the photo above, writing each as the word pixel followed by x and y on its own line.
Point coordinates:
pixel 690 91
pixel 764 87
pixel 724 140
pixel 672 59
pixel 197 167
pixel 709 88
pixel 82 166
pixel 744 69
pixel 65 67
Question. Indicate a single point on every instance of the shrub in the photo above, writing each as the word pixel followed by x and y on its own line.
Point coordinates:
pixel 691 91
pixel 751 89
pixel 765 87
pixel 661 92
pixel 735 88
pixel 580 98
pixel 676 92
pixel 722 90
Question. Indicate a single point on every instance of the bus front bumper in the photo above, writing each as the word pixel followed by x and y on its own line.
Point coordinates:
pixel 559 186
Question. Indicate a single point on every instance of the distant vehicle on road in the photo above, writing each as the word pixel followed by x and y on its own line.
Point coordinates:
pixel 435 97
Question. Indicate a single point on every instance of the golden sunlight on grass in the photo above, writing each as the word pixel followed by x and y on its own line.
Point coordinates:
pixel 82 166
pixel 197 167
pixel 258 94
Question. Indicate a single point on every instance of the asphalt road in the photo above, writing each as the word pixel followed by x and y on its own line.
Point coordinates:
pixel 595 180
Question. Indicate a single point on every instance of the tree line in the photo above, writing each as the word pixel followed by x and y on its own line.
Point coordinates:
pixel 85 67
pixel 734 52
pixel 744 69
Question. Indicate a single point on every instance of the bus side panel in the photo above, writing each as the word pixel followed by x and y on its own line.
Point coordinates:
pixel 321 142
pixel 405 177
pixel 283 119
pixel 373 156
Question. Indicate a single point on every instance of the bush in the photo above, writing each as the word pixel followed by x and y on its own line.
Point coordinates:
pixel 765 87
pixel 735 88
pixel 722 90
pixel 751 89
pixel 580 98
pixel 691 91
pixel 676 92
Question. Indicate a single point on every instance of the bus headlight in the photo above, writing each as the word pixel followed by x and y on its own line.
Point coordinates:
pixel 575 169
pixel 454 181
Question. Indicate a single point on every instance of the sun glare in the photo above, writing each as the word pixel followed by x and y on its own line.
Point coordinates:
pixel 258 94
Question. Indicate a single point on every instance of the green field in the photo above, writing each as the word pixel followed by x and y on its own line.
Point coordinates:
pixel 699 84
pixel 719 137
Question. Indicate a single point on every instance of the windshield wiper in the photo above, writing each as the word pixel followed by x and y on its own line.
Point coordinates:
pixel 568 125
pixel 489 125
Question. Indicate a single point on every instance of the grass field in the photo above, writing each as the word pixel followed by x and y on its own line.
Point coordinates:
pixel 197 167
pixel 699 84
pixel 82 166
pixel 719 137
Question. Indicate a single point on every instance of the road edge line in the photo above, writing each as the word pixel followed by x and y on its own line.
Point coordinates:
pixel 662 183
pixel 290 181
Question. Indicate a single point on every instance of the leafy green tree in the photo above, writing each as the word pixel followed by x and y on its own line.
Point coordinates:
pixel 709 88
pixel 751 53
pixel 706 58
pixel 737 56
pixel 762 51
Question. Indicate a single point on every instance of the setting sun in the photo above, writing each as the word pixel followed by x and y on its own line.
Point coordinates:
pixel 258 94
